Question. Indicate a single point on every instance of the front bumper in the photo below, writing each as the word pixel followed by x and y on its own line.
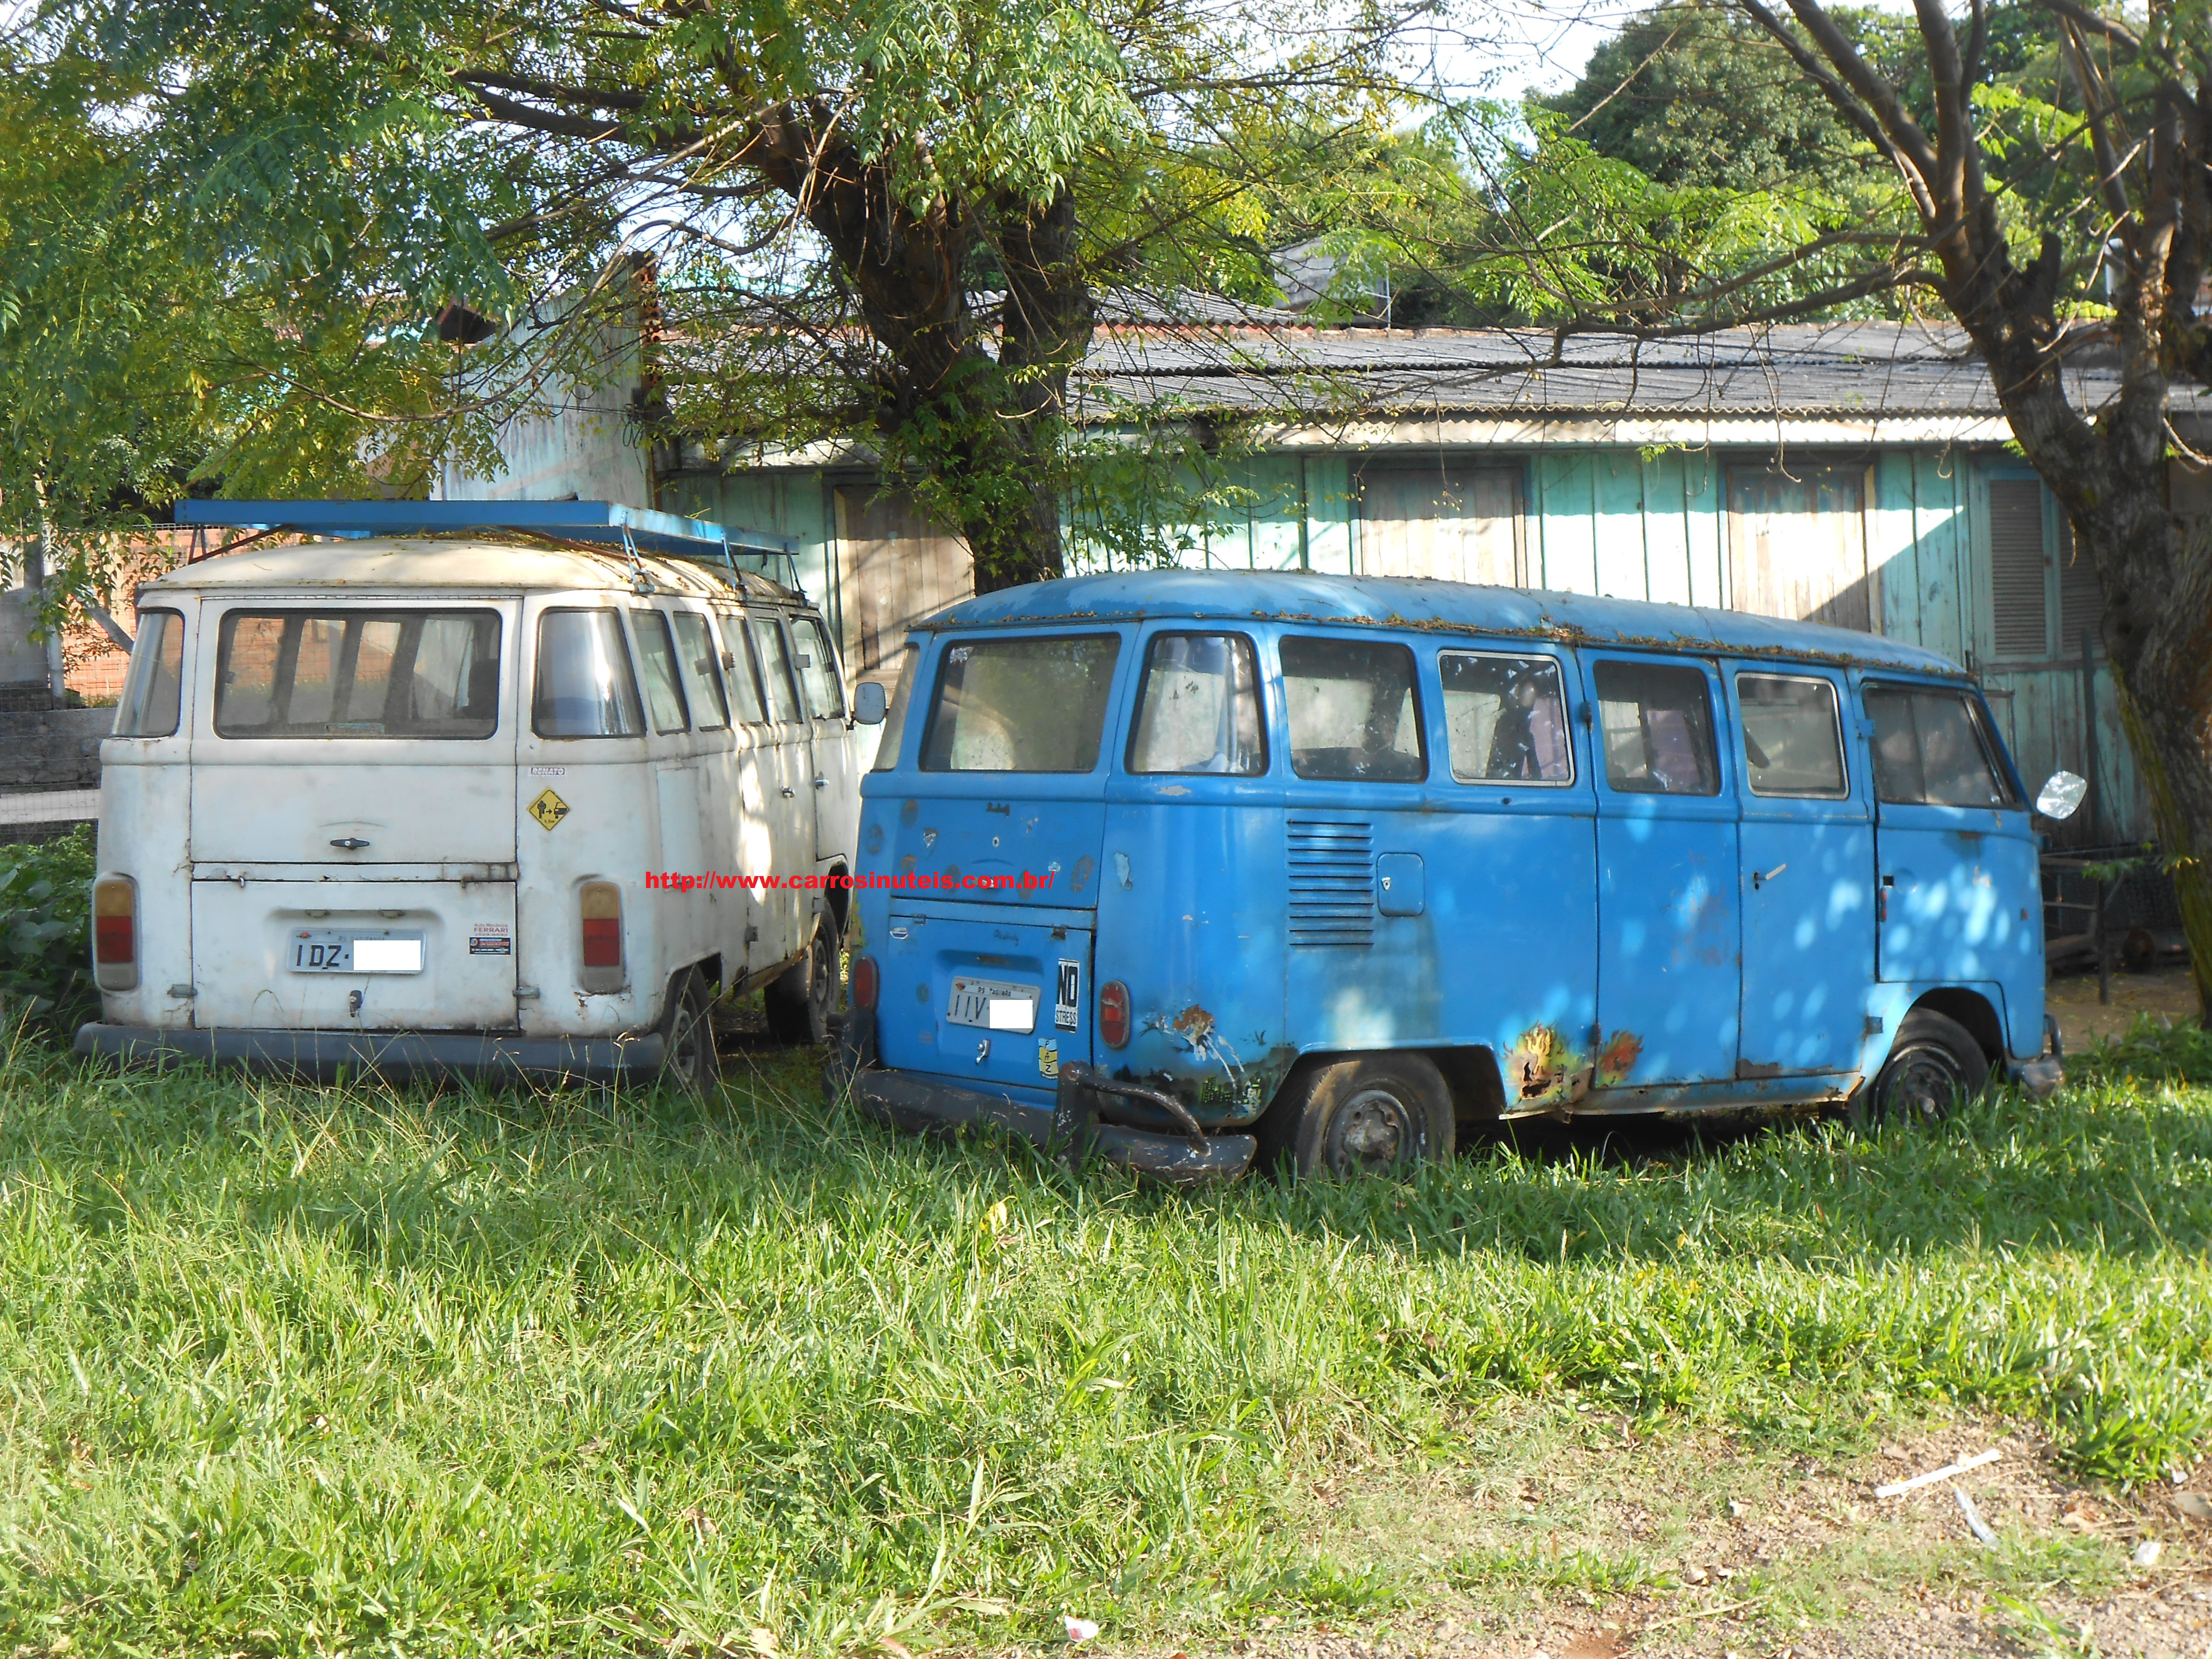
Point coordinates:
pixel 1072 1128
pixel 393 1054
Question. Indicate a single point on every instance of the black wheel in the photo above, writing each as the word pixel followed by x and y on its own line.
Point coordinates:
pixel 1935 1066
pixel 801 1002
pixel 688 1060
pixel 1373 1114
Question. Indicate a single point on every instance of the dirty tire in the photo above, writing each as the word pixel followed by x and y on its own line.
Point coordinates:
pixel 689 1061
pixel 1935 1065
pixel 799 1003
pixel 1372 1114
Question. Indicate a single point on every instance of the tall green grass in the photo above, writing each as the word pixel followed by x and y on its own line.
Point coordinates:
pixel 289 1370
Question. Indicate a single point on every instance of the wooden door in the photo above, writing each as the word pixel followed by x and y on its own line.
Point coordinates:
pixel 1441 518
pixel 1797 545
pixel 895 566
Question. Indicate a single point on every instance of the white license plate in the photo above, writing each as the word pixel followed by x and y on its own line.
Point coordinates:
pixel 994 1005
pixel 339 951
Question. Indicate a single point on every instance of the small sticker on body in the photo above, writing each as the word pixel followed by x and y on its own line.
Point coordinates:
pixel 1068 995
pixel 549 771
pixel 489 939
pixel 549 809
pixel 1049 1058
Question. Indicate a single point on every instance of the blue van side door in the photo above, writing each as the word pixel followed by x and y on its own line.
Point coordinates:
pixel 1669 973
pixel 1512 865
pixel 1959 897
pixel 1808 871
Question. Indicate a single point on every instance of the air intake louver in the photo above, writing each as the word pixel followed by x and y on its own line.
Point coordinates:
pixel 1332 883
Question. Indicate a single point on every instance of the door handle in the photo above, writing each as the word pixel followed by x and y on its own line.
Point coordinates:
pixel 350 844
pixel 1759 878
pixel 788 792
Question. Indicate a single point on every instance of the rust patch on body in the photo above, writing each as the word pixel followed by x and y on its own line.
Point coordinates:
pixel 1618 1058
pixel 1539 1062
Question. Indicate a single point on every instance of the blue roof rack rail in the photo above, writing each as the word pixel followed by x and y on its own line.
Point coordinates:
pixel 662 533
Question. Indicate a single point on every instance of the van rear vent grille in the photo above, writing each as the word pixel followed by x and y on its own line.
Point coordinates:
pixel 1331 869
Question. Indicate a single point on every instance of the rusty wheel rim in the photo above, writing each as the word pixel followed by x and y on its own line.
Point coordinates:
pixel 1373 1131
pixel 1924 1086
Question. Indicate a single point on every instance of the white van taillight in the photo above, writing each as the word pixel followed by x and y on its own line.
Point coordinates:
pixel 115 934
pixel 600 904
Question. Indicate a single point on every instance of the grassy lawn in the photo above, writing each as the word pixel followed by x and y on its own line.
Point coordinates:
pixel 290 1370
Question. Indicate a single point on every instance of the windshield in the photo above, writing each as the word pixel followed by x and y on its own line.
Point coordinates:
pixel 1021 705
pixel 357 674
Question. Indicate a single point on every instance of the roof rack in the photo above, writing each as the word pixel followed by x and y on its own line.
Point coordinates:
pixel 634 529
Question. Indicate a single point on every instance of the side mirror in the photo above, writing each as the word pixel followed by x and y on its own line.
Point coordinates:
pixel 870 704
pixel 2061 795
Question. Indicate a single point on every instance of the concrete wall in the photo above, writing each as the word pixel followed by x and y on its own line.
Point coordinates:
pixel 58 749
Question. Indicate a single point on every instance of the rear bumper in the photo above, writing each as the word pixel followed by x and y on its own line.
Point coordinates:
pixel 393 1054
pixel 1072 1127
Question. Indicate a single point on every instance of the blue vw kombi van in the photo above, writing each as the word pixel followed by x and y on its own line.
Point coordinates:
pixel 1185 868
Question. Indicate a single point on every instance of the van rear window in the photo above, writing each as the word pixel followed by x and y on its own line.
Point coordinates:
pixel 1021 705
pixel 1930 749
pixel 585 685
pixel 357 673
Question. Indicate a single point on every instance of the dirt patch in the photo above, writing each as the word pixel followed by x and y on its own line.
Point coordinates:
pixel 2167 992
pixel 1589 1541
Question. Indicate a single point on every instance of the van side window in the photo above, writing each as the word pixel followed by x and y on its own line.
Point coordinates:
pixel 1200 707
pixel 738 657
pixel 357 673
pixel 662 694
pixel 887 746
pixel 1505 719
pixel 1353 712
pixel 1930 750
pixel 1657 722
pixel 153 696
pixel 818 668
pixel 1793 741
pixel 584 687
pixel 775 669
pixel 702 672
pixel 1021 705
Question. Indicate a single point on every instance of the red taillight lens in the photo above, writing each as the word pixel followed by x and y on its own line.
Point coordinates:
pixel 864 982
pixel 115 932
pixel 600 902
pixel 1114 1013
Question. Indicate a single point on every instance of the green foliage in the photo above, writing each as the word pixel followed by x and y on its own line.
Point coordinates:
pixel 291 1370
pixel 45 931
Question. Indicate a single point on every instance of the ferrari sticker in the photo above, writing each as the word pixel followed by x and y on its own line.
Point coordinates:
pixel 549 809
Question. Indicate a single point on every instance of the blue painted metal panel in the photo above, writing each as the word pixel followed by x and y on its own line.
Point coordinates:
pixel 1808 925
pixel 1669 972
pixel 920 954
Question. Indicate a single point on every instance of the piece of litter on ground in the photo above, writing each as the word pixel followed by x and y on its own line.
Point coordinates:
pixel 1898 1488
pixel 1975 1524
pixel 2194 1504
pixel 2147 1553
pixel 1079 1630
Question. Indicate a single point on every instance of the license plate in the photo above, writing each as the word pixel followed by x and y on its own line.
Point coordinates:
pixel 337 950
pixel 994 1005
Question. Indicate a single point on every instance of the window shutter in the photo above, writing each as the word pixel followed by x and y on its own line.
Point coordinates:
pixel 2081 601
pixel 2021 602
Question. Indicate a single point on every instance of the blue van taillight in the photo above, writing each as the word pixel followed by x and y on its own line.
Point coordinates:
pixel 864 982
pixel 1114 1014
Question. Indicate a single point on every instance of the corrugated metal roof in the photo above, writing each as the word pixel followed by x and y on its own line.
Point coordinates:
pixel 1440 606
pixel 1859 369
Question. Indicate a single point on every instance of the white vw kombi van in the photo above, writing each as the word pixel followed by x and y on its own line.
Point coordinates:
pixel 470 790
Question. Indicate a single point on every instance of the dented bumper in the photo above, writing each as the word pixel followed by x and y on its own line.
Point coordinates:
pixel 1072 1128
